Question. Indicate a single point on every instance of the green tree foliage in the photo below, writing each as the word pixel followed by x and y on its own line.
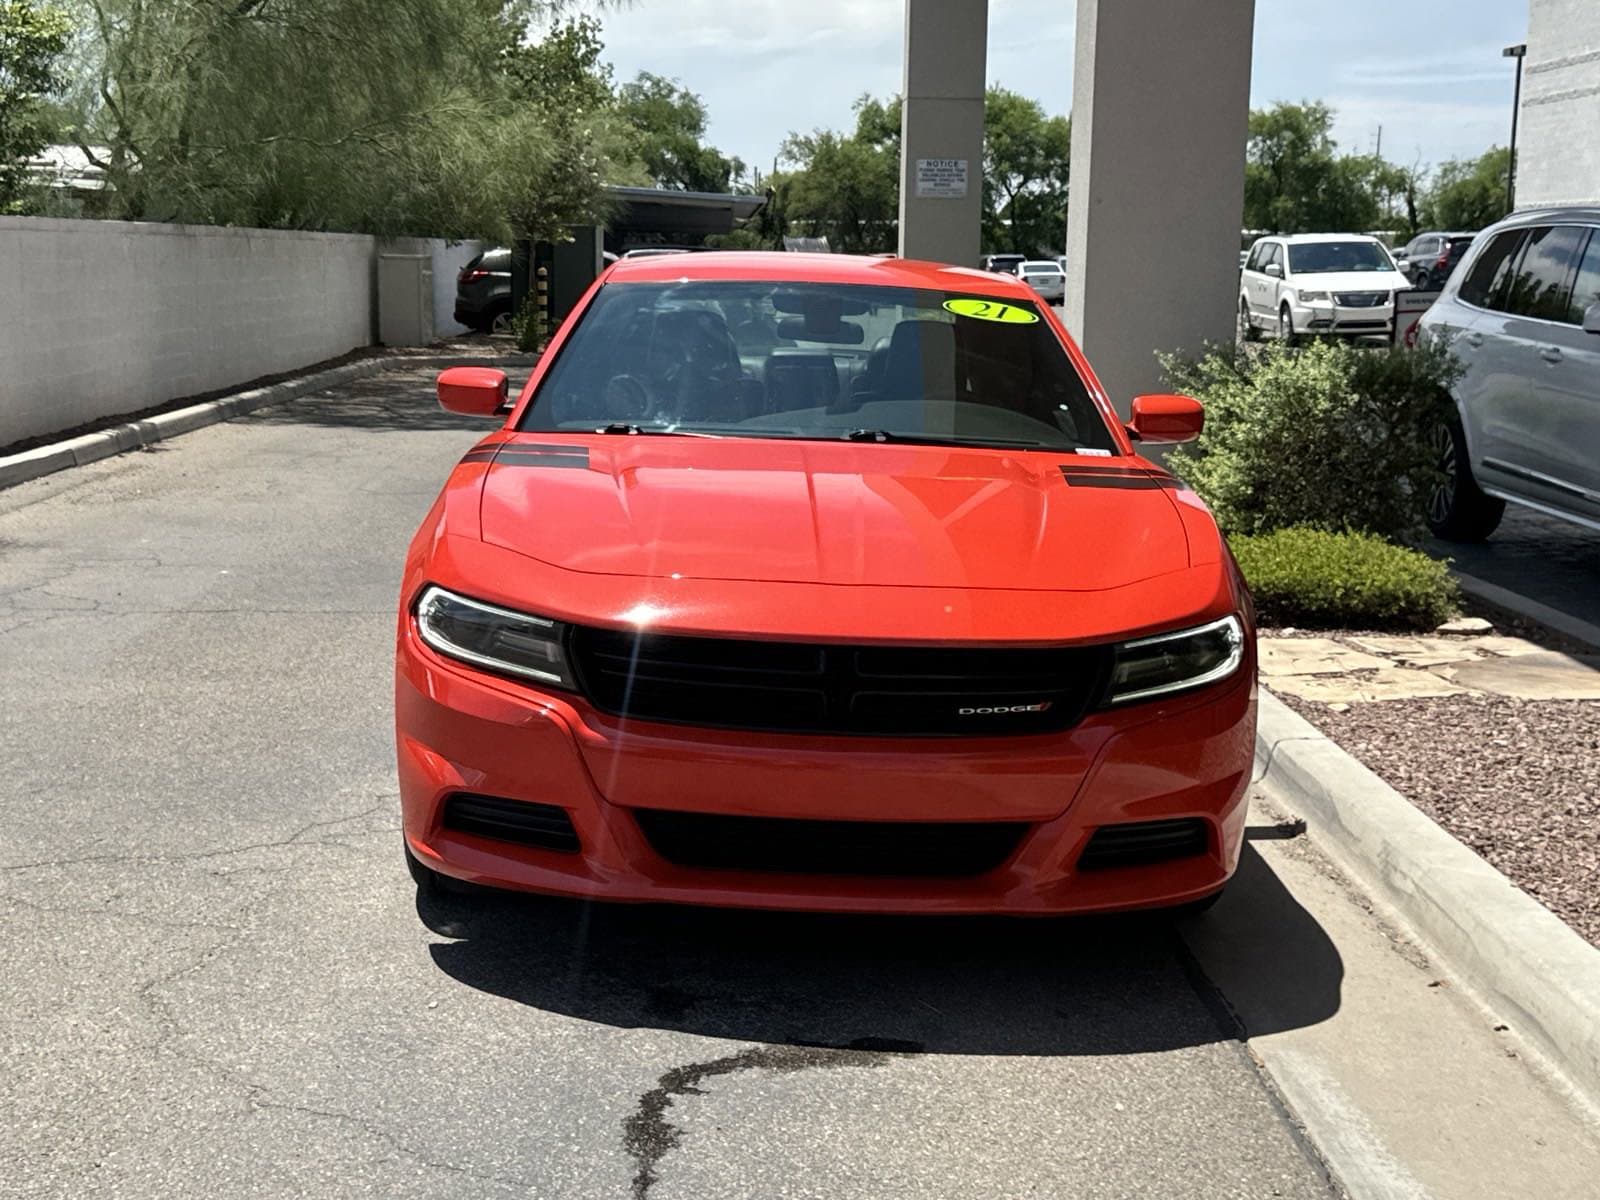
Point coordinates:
pixel 1469 193
pixel 668 127
pixel 1296 181
pixel 33 37
pixel 1025 167
pixel 385 116
pixel 845 187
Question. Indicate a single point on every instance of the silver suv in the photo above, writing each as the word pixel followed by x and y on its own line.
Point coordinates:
pixel 1522 313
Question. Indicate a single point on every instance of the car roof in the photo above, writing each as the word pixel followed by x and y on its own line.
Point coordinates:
pixel 784 267
pixel 1300 239
pixel 1051 263
pixel 1539 216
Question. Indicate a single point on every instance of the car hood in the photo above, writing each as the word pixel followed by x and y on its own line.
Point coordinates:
pixel 1352 281
pixel 831 513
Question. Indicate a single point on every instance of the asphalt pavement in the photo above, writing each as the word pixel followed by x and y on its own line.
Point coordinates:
pixel 218 980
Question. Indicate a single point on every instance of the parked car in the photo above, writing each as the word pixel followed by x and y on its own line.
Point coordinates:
pixel 1429 258
pixel 886 613
pixel 1322 283
pixel 654 251
pixel 1522 314
pixel 483 292
pixel 1046 277
pixel 1002 264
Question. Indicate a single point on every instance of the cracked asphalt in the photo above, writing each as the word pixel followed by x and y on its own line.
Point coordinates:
pixel 217 980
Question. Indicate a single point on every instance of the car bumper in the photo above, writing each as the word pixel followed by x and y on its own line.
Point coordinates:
pixel 461 731
pixel 1340 320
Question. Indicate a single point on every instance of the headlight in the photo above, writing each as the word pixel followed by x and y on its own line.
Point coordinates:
pixel 1174 662
pixel 495 638
pixel 1310 297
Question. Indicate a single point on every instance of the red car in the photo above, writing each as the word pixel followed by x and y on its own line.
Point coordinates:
pixel 828 583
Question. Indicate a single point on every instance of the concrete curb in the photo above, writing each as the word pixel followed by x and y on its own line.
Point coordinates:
pixel 1542 614
pixel 119 439
pixel 1521 960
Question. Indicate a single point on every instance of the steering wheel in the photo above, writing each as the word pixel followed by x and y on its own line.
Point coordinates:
pixel 625 398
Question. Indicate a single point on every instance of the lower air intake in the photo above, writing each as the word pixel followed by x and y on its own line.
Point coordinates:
pixel 1143 842
pixel 543 826
pixel 892 848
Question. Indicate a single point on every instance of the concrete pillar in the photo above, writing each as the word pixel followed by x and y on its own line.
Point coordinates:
pixel 1160 110
pixel 941 130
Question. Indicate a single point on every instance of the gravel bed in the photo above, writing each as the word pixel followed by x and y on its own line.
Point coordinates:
pixel 1516 780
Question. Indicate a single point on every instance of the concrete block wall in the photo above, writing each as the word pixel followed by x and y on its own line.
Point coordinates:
pixel 1558 143
pixel 103 318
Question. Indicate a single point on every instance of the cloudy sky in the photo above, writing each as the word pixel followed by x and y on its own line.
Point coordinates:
pixel 1429 71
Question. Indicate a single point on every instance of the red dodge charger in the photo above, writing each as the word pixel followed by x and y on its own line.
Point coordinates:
pixel 819 582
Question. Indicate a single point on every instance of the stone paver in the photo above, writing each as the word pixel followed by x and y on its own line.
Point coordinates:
pixel 1386 683
pixel 1312 656
pixel 1543 676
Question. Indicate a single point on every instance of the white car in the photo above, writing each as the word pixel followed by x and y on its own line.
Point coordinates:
pixel 1522 315
pixel 1046 277
pixel 1319 283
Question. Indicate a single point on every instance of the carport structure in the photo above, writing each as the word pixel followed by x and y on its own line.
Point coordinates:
pixel 1160 106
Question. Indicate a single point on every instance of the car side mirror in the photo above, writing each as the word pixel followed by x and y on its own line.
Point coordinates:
pixel 1591 319
pixel 473 391
pixel 1166 418
pixel 1274 270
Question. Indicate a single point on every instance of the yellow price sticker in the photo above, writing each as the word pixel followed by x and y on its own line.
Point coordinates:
pixel 990 310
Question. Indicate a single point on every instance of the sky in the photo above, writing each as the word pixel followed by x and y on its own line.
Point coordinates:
pixel 1428 71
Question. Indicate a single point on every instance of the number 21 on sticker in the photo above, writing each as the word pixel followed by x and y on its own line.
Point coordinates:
pixel 990 310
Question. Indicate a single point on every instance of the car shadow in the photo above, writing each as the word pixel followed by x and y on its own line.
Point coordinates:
pixel 1103 985
pixel 384 403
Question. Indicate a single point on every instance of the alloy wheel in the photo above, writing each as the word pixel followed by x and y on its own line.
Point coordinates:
pixel 1443 496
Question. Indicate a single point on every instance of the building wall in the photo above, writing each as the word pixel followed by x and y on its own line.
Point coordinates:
pixel 1558 142
pixel 101 318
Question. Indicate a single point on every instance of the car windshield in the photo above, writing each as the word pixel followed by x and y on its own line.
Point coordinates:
pixel 818 361
pixel 1322 258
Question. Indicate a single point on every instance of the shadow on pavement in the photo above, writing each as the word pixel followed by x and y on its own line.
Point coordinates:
pixel 1543 558
pixel 1122 985
pixel 385 403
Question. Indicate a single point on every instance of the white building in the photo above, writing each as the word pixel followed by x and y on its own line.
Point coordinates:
pixel 1558 143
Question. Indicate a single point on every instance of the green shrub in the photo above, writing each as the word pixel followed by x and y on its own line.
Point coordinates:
pixel 1332 436
pixel 1312 578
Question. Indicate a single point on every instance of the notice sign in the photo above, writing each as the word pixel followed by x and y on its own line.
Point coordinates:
pixel 942 178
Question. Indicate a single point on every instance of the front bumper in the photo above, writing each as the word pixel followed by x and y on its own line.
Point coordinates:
pixel 1187 756
pixel 1327 318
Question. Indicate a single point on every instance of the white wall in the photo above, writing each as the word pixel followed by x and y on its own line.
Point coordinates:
pixel 101 318
pixel 448 260
pixel 1558 142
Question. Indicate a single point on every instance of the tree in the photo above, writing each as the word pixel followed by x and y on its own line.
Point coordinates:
pixel 1025 167
pixel 1296 181
pixel 383 116
pixel 32 39
pixel 1469 193
pixel 669 125
pixel 845 187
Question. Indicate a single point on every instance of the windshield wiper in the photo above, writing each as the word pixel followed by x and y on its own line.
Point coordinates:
pixel 932 439
pixel 624 428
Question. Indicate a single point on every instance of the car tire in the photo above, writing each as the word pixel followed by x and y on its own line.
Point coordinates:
pixel 1247 328
pixel 434 883
pixel 1458 509
pixel 1286 333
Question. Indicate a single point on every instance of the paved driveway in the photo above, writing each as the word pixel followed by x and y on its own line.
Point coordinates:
pixel 218 983
pixel 1553 562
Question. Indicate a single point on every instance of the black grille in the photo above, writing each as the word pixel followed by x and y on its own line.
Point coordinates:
pixel 527 824
pixel 802 688
pixel 711 841
pixel 1361 299
pixel 1144 842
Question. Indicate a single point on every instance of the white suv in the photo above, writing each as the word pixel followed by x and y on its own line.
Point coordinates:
pixel 1522 314
pixel 1323 283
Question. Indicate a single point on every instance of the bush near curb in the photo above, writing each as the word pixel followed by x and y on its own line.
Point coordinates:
pixel 1333 436
pixel 1317 579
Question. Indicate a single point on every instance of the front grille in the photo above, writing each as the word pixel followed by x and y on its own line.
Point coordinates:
pixel 1142 842
pixel 797 687
pixel 896 848
pixel 541 825
pixel 1361 299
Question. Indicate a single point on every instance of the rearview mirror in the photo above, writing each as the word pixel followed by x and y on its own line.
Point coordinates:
pixel 473 391
pixel 1274 270
pixel 1591 319
pixel 1166 418
pixel 838 333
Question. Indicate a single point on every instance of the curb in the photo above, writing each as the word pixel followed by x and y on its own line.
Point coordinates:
pixel 1520 959
pixel 134 435
pixel 1533 610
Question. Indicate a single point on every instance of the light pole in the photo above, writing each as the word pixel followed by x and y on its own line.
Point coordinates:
pixel 1518 52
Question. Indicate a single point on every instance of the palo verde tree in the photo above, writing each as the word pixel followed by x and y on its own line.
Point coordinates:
pixel 33 37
